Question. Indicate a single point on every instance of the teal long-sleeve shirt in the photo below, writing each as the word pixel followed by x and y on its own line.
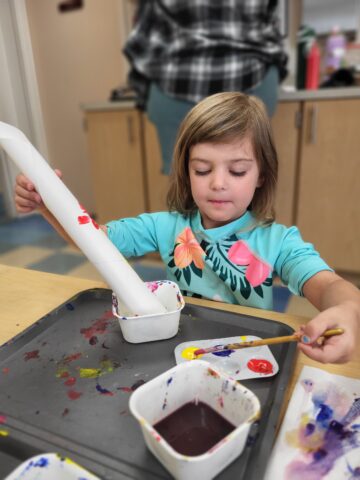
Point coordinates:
pixel 235 263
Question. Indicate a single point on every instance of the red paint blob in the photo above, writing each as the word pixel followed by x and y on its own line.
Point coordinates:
pixel 83 219
pixel 73 394
pixel 31 355
pixel 260 365
pixel 70 381
pixel 71 358
pixel 99 327
pixel 125 389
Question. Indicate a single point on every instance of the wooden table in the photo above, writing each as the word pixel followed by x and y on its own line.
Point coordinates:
pixel 27 295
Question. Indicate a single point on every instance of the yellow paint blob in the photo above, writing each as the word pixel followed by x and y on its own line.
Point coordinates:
pixel 4 433
pixel 90 372
pixel 243 338
pixel 188 353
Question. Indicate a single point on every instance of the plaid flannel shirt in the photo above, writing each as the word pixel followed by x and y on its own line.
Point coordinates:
pixel 194 48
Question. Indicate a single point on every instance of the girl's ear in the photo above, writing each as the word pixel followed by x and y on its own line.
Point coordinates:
pixel 260 181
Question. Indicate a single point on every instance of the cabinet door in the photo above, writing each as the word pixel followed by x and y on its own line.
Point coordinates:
pixel 115 150
pixel 328 211
pixel 286 134
pixel 157 182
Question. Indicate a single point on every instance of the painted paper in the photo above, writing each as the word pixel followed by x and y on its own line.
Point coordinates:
pixel 78 224
pixel 320 435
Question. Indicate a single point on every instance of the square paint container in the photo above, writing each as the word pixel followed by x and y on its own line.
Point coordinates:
pixel 149 328
pixel 195 382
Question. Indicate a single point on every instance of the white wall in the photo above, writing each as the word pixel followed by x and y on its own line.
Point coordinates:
pixel 322 15
pixel 18 94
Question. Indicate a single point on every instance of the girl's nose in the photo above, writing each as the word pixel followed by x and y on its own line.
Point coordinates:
pixel 218 181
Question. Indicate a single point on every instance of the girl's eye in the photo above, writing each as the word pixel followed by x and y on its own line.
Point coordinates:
pixel 202 172
pixel 238 174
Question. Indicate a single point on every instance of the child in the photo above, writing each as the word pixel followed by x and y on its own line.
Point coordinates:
pixel 219 239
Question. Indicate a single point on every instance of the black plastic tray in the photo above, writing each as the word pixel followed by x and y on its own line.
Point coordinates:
pixel 96 429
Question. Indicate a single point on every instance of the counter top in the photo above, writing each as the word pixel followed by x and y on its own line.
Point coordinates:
pixel 284 96
pixel 28 295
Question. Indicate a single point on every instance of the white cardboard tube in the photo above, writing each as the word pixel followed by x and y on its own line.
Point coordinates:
pixel 93 242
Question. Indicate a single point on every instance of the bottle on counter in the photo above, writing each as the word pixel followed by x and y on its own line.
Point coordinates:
pixel 313 67
pixel 335 50
pixel 305 38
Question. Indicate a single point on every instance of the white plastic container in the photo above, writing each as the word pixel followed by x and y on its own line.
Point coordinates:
pixel 50 466
pixel 148 328
pixel 180 385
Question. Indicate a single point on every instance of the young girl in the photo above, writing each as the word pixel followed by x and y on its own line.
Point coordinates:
pixel 219 239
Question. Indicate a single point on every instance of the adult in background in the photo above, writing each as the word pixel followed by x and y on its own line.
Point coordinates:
pixel 181 51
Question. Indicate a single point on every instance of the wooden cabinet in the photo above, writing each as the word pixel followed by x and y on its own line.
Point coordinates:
pixel 328 206
pixel 157 184
pixel 318 146
pixel 117 163
pixel 286 132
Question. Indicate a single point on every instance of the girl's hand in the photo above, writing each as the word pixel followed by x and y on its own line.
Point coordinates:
pixel 336 349
pixel 26 197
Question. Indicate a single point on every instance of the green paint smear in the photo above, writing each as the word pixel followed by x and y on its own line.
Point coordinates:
pixel 107 365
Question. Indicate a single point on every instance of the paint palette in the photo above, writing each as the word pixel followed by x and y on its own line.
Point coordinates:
pixel 241 364
pixel 50 465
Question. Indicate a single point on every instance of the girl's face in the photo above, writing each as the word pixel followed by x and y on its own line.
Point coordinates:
pixel 223 179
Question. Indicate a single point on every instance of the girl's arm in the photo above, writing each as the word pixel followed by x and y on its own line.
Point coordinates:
pixel 339 305
pixel 27 200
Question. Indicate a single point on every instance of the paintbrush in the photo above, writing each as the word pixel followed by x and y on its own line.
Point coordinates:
pixel 266 341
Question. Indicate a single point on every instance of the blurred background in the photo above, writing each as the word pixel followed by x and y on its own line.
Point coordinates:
pixel 60 63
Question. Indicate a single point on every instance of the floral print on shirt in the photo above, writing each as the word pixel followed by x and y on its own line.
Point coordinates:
pixel 231 259
pixel 187 256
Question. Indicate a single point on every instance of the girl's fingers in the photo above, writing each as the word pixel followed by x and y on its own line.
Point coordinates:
pixel 24 182
pixel 325 354
pixel 22 193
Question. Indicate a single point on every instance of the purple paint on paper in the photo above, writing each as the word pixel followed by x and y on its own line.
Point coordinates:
pixel 329 435
pixel 307 385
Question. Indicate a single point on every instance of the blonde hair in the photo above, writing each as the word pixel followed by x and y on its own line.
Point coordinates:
pixel 220 118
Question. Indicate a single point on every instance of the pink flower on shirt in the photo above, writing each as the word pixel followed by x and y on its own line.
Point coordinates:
pixel 257 270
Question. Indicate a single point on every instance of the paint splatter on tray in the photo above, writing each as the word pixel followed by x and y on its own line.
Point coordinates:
pixel 252 362
pixel 320 435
